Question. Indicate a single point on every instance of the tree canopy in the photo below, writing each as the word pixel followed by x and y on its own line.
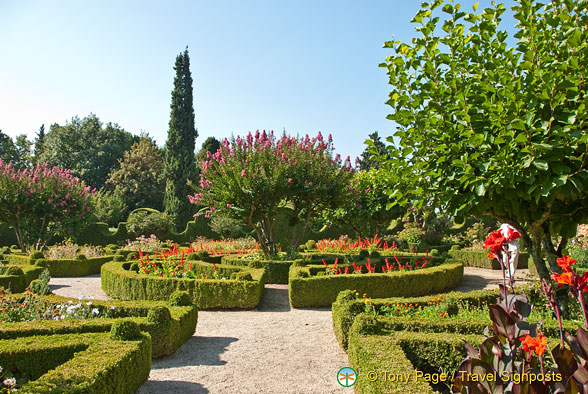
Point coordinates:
pixel 485 128
pixel 88 148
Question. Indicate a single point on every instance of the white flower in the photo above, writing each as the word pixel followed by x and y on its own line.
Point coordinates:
pixel 81 297
pixel 62 317
pixel 1 369
pixel 70 302
pixel 95 311
pixel 112 307
pixel 89 303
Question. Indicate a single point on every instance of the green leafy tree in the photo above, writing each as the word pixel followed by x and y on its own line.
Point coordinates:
pixel 375 147
pixel 139 176
pixel 366 208
pixel 485 128
pixel 88 148
pixel 256 179
pixel 180 165
pixel 39 142
pixel 16 152
pixel 110 207
pixel 42 202
pixel 8 151
pixel 210 145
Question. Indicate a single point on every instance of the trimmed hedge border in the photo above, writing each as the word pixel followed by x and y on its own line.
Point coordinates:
pixel 166 338
pixel 123 284
pixel 479 258
pixel 18 283
pixel 345 308
pixel 390 344
pixel 276 270
pixel 78 363
pixel 318 291
pixel 74 267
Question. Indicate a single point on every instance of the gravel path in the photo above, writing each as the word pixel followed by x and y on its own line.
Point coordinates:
pixel 270 349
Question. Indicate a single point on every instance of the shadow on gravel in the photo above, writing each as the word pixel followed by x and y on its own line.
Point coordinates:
pixel 274 299
pixel 196 351
pixel 56 287
pixel 171 386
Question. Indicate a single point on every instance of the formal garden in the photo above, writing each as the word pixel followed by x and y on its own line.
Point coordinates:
pixel 489 135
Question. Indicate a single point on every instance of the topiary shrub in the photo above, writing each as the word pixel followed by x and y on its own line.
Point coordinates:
pixel 35 256
pixel 125 330
pixel 364 254
pixel 80 256
pixel 160 315
pixel 130 257
pixel 134 267
pixel 12 270
pixel 5 250
pixel 375 255
pixel 119 257
pixel 143 222
pixel 192 256
pixel 180 298
pixel 226 227
pixel 298 263
pixel 310 244
pixel 39 287
pixel 434 252
pixel 241 276
pixel 455 247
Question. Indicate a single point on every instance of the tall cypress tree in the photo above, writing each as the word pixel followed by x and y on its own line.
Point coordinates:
pixel 39 142
pixel 181 143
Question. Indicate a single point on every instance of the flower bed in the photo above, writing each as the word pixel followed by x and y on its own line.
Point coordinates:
pixel 102 353
pixel 309 289
pixel 241 287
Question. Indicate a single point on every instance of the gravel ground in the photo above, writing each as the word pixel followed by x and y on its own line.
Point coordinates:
pixel 270 349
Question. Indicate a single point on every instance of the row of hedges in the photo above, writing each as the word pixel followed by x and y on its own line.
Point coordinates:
pixel 17 278
pixel 307 290
pixel 78 363
pixel 348 306
pixel 119 281
pixel 276 270
pixel 60 267
pixel 479 258
pixel 168 334
pixel 409 347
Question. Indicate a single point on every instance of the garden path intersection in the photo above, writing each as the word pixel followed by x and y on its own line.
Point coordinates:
pixel 270 349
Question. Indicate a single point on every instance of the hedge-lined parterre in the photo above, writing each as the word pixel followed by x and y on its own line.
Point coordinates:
pixel 16 278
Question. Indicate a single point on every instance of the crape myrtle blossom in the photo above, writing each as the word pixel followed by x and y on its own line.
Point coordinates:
pixel 41 202
pixel 256 177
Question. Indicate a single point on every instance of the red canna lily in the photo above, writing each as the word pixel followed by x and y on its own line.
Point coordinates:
pixel 495 242
pixel 537 345
pixel 565 263
pixel 563 279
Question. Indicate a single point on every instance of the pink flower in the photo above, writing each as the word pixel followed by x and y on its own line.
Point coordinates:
pixel 229 205
pixel 289 180
pixel 243 174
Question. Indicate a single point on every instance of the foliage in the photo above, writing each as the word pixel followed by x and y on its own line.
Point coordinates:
pixel 227 246
pixel 301 174
pixel 139 176
pixel 484 128
pixel 210 145
pixel 147 222
pixel 40 286
pixel 110 207
pixel 42 202
pixel 411 233
pixel 179 147
pixel 349 245
pixel 226 227
pixel 375 147
pixel 39 143
pixel 125 330
pixel 16 152
pixel 90 150
pixel 366 209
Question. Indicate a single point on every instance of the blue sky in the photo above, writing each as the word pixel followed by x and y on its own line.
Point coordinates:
pixel 305 66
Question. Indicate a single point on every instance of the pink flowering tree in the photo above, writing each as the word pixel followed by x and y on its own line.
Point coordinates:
pixel 255 178
pixel 42 202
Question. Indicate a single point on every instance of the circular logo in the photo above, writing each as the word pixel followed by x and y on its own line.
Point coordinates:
pixel 346 377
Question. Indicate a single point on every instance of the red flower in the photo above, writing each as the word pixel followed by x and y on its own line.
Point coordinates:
pixel 563 279
pixel 565 263
pixel 512 234
pixel 495 243
pixel 537 345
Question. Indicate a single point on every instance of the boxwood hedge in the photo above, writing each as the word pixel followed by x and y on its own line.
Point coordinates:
pixel 16 278
pixel 479 258
pixel 120 282
pixel 309 290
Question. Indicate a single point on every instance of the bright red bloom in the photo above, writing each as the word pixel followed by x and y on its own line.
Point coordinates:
pixel 537 345
pixel 512 234
pixel 565 263
pixel 495 243
pixel 563 279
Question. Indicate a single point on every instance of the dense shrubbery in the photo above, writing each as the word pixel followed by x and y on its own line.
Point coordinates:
pixel 42 202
